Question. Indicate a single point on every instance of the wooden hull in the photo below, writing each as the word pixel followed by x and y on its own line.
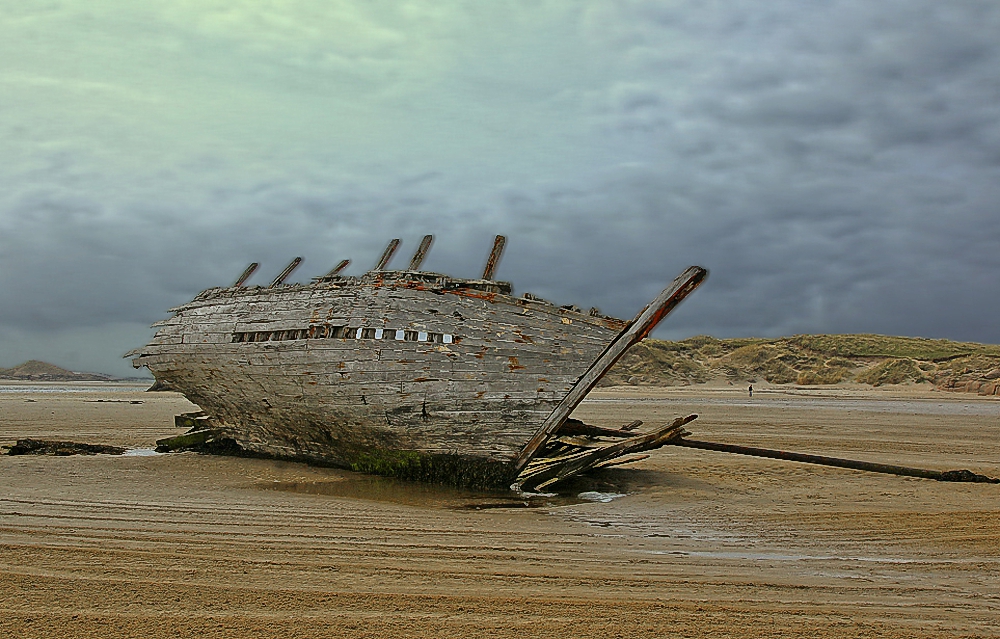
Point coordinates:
pixel 358 371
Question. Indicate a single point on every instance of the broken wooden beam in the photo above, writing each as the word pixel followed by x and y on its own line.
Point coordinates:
pixel 247 272
pixel 494 260
pixel 421 253
pixel 335 271
pixel 542 473
pixel 285 273
pixel 387 254
pixel 951 475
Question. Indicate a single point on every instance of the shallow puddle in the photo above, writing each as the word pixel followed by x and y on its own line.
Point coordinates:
pixel 384 489
pixel 141 452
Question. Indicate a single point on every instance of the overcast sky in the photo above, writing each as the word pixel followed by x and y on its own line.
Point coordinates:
pixel 835 165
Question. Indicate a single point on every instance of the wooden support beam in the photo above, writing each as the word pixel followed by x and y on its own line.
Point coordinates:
pixel 418 257
pixel 341 265
pixel 951 475
pixel 285 273
pixel 635 331
pixel 387 254
pixel 494 260
pixel 247 272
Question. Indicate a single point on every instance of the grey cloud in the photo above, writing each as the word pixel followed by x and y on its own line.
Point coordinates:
pixel 836 167
pixel 806 109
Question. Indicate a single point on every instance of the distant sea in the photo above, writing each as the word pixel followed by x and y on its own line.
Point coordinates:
pixel 121 386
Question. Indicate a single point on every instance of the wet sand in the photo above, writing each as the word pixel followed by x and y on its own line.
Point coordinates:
pixel 702 544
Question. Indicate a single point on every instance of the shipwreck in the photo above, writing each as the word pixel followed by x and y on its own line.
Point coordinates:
pixel 403 372
pixel 417 375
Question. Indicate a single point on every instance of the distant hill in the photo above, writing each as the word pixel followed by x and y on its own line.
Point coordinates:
pixel 803 360
pixel 808 360
pixel 36 371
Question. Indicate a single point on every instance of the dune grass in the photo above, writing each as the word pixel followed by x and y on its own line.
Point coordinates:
pixel 807 360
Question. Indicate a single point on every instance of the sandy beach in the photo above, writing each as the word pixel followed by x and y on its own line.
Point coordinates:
pixel 687 543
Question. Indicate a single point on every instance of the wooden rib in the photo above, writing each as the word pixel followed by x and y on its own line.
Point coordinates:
pixel 338 268
pixel 421 254
pixel 494 259
pixel 387 254
pixel 285 273
pixel 246 274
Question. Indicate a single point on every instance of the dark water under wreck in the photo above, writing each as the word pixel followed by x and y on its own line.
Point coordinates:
pixel 351 485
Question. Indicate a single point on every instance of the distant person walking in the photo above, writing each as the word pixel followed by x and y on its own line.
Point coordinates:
pixel 750 390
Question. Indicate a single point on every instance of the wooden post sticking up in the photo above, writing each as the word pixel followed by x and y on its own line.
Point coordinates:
pixel 386 255
pixel 495 254
pixel 338 268
pixel 285 273
pixel 246 274
pixel 418 257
